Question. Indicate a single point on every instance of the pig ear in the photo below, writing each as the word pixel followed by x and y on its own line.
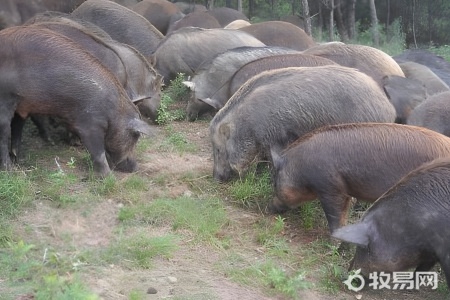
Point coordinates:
pixel 212 102
pixel 277 159
pixel 140 126
pixel 190 85
pixel 354 233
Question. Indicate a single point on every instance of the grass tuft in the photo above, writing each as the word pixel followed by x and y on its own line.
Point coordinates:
pixel 254 187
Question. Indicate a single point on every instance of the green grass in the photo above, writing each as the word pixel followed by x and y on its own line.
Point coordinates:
pixel 176 141
pixel 171 107
pixel 254 189
pixel 16 191
pixel 46 273
pixel 268 273
pixel 138 249
pixel 443 51
pixel 204 218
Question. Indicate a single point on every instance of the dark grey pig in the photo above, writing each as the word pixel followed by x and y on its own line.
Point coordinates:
pixel 408 227
pixel 422 73
pixel 405 94
pixel 137 76
pixel 361 160
pixel 372 61
pixel 42 72
pixel 211 83
pixel 122 24
pixel 276 107
pixel 433 113
pixel 278 61
pixel 184 50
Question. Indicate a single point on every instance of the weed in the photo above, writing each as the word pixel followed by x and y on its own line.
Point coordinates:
pixel 205 218
pixel 172 95
pixel 272 275
pixel 135 183
pixel 176 141
pixel 53 286
pixel 252 188
pixel 16 191
pixel 139 249
pixel 105 186
pixel 176 89
pixel 20 263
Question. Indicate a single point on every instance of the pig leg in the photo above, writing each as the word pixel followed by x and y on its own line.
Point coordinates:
pixel 336 208
pixel 95 144
pixel 5 134
pixel 17 124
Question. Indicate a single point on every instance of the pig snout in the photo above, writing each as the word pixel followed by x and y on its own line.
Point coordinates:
pixel 128 165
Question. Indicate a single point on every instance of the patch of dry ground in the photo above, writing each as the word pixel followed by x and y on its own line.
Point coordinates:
pixel 192 272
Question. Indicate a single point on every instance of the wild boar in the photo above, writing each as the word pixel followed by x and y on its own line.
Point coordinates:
pixel 424 74
pixel 276 107
pixel 278 61
pixel 226 15
pixel 405 94
pixel 372 61
pixel 433 113
pixel 137 76
pixel 435 63
pixel 161 13
pixel 209 87
pixel 42 72
pixel 361 160
pixel 407 227
pixel 281 34
pixel 184 50
pixel 122 24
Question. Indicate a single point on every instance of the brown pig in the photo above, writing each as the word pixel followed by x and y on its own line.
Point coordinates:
pixel 335 163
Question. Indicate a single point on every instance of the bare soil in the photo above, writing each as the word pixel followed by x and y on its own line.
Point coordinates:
pixel 192 272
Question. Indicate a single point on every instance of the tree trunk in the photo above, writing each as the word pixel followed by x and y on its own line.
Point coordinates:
pixel 374 23
pixel 320 26
pixel 351 26
pixel 414 22
pixel 251 8
pixel 331 27
pixel 210 4
pixel 239 5
pixel 306 17
pixel 340 23
pixel 388 19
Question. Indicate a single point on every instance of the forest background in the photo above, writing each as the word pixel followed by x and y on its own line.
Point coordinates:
pixel 401 23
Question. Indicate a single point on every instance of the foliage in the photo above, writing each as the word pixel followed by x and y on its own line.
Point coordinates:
pixel 139 249
pixel 392 39
pixel 48 277
pixel 253 187
pixel 16 191
pixel 182 213
pixel 176 141
pixel 173 94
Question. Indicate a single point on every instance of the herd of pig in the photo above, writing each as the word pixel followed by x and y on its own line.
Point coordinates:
pixel 336 121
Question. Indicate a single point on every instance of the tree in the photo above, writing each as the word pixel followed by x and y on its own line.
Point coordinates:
pixel 306 17
pixel 351 21
pixel 374 23
pixel 339 21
